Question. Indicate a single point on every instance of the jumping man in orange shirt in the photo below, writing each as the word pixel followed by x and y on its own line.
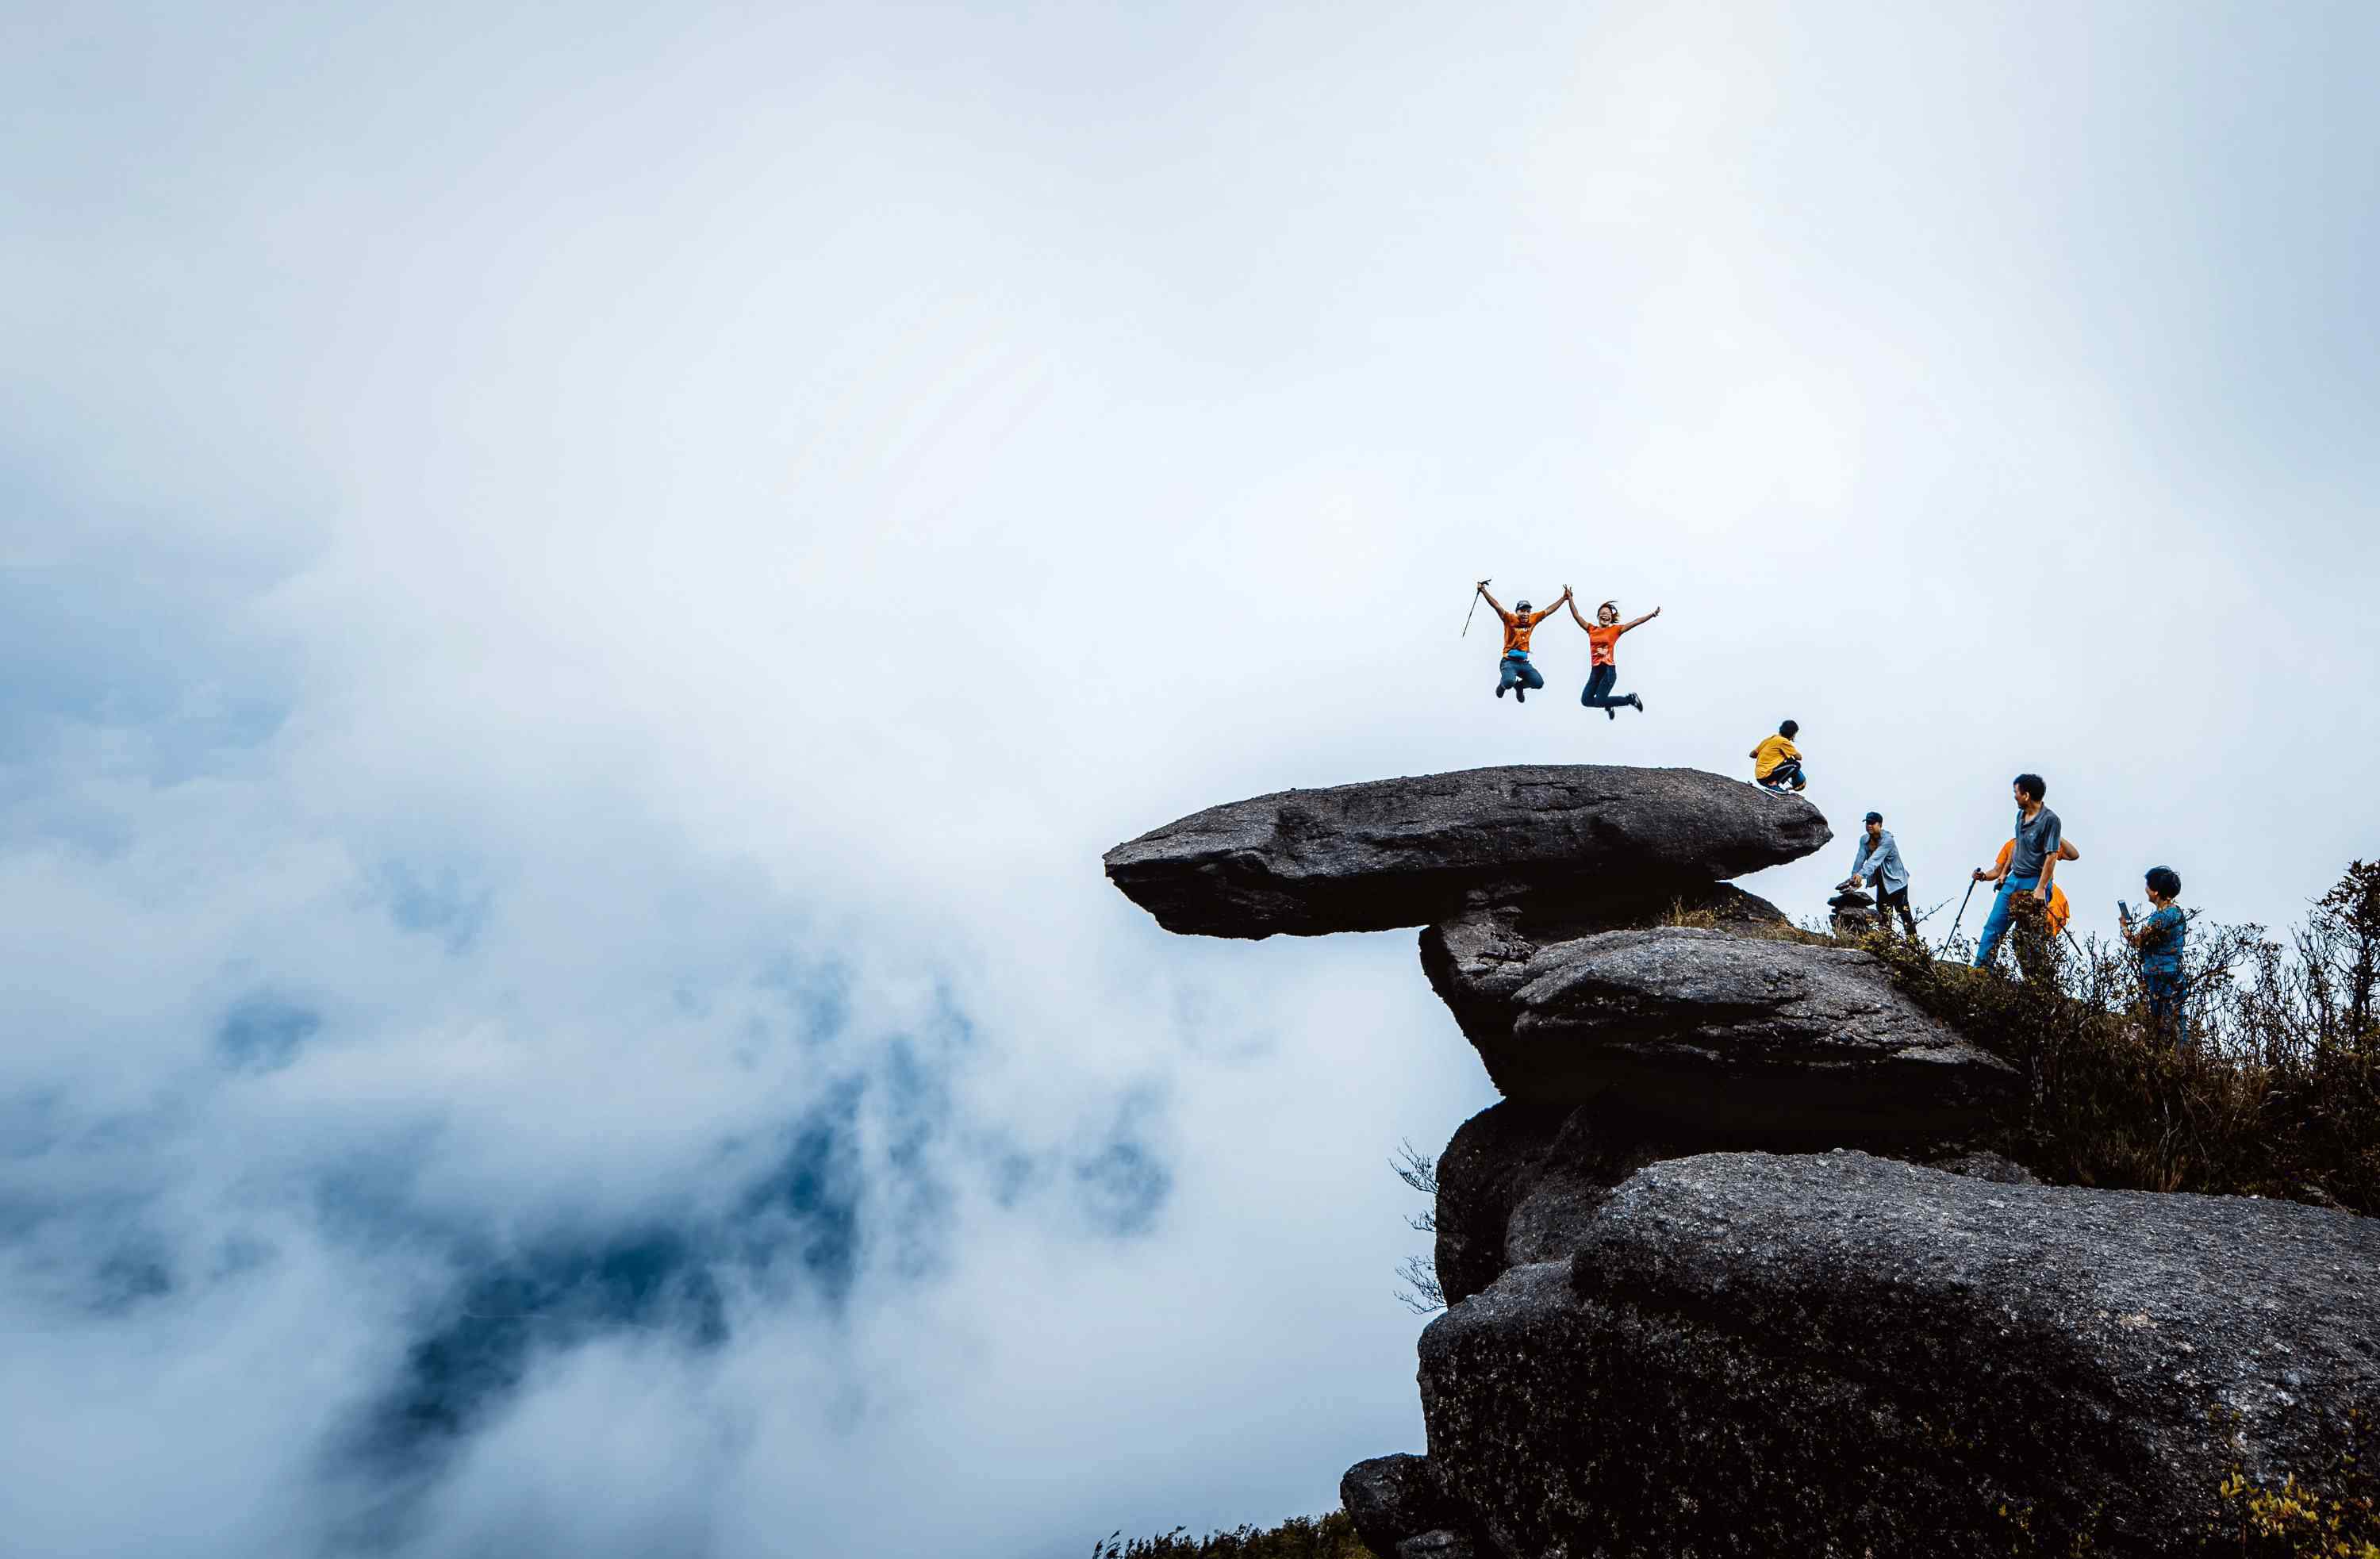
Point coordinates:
pixel 1517 674
pixel 1602 637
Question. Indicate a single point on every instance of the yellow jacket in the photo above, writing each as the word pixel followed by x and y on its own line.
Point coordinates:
pixel 1769 753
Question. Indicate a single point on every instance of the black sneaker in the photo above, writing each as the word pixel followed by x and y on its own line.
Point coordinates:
pixel 1520 694
pixel 1609 712
pixel 1502 687
pixel 1638 700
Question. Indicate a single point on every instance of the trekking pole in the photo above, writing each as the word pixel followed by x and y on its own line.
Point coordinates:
pixel 1956 919
pixel 1474 606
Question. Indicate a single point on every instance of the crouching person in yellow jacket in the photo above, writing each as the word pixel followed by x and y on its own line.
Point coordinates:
pixel 1777 762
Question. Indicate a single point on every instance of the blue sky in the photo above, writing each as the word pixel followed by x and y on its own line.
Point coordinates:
pixel 582 593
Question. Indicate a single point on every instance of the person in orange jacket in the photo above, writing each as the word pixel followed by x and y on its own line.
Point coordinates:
pixel 1603 639
pixel 2057 910
pixel 1517 676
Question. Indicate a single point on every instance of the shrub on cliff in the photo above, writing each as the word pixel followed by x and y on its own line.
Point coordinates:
pixel 1327 1537
pixel 2277 1092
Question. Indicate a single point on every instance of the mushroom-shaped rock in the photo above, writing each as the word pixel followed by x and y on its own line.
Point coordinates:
pixel 1751 1355
pixel 1402 852
pixel 1716 1035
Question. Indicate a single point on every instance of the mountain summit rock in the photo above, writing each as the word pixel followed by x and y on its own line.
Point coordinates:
pixel 1706 1296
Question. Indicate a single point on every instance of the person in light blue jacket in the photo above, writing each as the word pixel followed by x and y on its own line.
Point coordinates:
pixel 1879 857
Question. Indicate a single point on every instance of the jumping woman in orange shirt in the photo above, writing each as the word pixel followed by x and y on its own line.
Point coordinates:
pixel 1602 637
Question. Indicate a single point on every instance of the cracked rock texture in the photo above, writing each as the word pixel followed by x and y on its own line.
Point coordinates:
pixel 1751 1354
pixel 1715 1033
pixel 1521 1183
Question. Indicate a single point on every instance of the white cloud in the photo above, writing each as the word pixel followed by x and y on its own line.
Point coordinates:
pixel 633 575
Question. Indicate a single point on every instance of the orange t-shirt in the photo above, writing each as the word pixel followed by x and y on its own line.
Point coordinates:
pixel 1602 638
pixel 2056 910
pixel 1517 628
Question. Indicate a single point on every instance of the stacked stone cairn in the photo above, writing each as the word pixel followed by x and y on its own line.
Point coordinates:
pixel 1728 1271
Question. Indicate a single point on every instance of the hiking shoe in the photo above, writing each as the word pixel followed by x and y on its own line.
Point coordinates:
pixel 1520 694
pixel 1502 689
pixel 1609 712
pixel 1638 700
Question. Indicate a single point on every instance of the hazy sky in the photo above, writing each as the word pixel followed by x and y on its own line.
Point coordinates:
pixel 583 588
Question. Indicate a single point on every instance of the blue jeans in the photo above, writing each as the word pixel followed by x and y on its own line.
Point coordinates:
pixel 1517 670
pixel 2164 985
pixel 1598 693
pixel 1996 923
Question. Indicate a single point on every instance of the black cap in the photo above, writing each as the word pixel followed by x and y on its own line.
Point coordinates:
pixel 1873 817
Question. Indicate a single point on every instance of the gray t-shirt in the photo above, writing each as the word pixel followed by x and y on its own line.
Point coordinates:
pixel 2035 842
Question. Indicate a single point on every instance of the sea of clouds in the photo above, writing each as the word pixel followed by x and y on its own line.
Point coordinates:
pixel 581 594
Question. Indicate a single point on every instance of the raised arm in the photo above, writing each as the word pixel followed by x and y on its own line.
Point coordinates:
pixel 1493 604
pixel 1572 601
pixel 1641 621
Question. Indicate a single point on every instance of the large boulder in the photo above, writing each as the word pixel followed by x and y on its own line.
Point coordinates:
pixel 1391 1499
pixel 1521 1183
pixel 1518 1180
pixel 1402 852
pixel 1493 1160
pixel 1718 1035
pixel 1751 1355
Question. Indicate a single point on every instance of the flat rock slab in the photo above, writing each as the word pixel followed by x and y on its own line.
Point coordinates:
pixel 1717 1034
pixel 1753 1355
pixel 1402 852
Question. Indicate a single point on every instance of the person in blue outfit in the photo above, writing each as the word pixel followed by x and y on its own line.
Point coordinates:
pixel 2027 875
pixel 1879 857
pixel 2160 935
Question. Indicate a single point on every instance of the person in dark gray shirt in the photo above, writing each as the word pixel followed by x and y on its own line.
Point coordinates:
pixel 2030 866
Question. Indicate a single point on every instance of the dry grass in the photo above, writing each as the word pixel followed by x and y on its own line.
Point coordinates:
pixel 1326 1537
pixel 1693 919
pixel 2276 1092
